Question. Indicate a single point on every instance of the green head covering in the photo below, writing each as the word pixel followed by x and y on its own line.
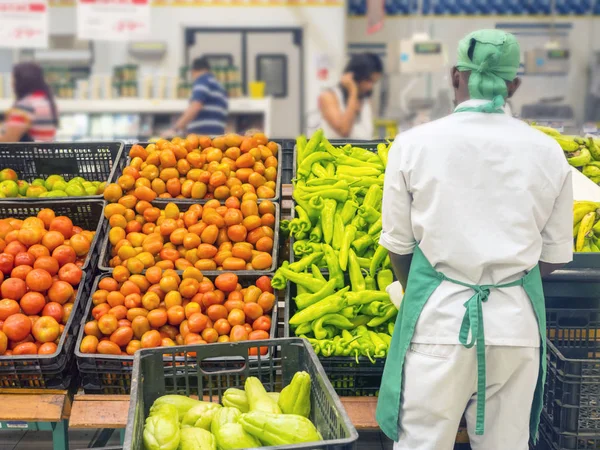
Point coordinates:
pixel 493 57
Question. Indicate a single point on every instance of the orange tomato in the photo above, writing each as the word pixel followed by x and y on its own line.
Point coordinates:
pixel 238 333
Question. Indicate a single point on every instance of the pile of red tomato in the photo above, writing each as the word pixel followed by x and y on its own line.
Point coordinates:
pixel 40 271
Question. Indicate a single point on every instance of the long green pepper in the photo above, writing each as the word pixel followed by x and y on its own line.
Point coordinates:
pixel 327 219
pixel 333 265
pixel 347 239
pixel 357 281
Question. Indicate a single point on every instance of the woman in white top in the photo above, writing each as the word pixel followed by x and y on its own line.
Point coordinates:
pixel 346 108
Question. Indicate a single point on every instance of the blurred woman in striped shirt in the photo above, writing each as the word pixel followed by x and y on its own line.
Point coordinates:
pixel 33 117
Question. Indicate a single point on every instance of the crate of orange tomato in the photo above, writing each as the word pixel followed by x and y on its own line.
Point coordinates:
pixel 234 235
pixel 45 248
pixel 196 169
pixel 162 308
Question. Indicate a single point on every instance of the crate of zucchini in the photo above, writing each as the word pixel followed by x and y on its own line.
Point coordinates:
pixel 342 310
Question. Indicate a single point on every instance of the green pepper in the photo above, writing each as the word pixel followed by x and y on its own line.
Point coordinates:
pixel 380 346
pixel 363 155
pixel 361 244
pixel 375 228
pixel 348 211
pixel 305 300
pixel 318 170
pixel 349 312
pixel 301 143
pixel 316 345
pixel 338 231
pixel 330 168
pixel 304 169
pixel 391 326
pixel 331 304
pixel 360 320
pixel 337 320
pixel 347 239
pixel 385 277
pixel 303 328
pixel 329 182
pixel 364 262
pixel 335 152
pixel 369 214
pixel 358 171
pixel 377 259
pixel 356 279
pixel 389 314
pixel 327 347
pixel 382 152
pixel 301 223
pixel 316 234
pixel 310 147
pixel 315 205
pixel 352 343
pixel 339 346
pixel 385 338
pixel 367 348
pixel 365 297
pixel 333 266
pixel 327 217
pixel 370 283
pixel 316 272
pixel 375 308
pixel 317 185
pixel 373 197
pixel 361 181
pixel 339 195
pixel 331 331
pixel 348 161
pixel 358 222
pixel 305 262
pixel 284 274
pixel 284 228
pixel 304 247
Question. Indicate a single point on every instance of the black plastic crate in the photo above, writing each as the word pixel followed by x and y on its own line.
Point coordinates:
pixel 94 161
pixel 112 374
pixel 551 438
pixel 349 377
pixel 105 248
pixel 87 214
pixel 190 201
pixel 48 371
pixel 572 393
pixel 200 374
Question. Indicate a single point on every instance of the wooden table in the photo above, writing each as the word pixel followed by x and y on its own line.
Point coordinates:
pixel 37 409
pixel 110 412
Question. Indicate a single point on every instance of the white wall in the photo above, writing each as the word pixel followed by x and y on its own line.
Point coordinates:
pixel 583 39
pixel 324 33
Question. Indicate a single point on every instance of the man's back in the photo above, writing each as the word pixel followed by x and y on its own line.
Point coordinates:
pixel 212 117
pixel 481 189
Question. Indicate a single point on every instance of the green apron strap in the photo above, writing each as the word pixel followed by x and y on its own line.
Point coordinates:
pixel 473 322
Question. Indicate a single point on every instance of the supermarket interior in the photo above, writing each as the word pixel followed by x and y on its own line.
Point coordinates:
pixel 234 224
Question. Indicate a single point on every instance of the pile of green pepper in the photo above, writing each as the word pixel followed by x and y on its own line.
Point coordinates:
pixel 338 194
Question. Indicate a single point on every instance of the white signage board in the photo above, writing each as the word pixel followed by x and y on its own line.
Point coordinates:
pixel 113 20
pixel 24 23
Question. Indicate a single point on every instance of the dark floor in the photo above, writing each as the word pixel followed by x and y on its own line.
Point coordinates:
pixel 80 439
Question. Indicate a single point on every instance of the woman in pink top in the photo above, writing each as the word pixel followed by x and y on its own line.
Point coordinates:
pixel 33 117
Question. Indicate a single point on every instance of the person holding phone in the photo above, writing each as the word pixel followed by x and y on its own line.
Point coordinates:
pixel 346 108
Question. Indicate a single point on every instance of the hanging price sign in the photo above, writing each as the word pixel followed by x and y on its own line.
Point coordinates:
pixel 24 23
pixel 113 20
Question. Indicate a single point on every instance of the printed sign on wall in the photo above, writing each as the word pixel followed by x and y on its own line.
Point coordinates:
pixel 113 20
pixel 24 23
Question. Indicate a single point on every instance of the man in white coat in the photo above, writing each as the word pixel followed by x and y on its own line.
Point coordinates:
pixel 477 207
